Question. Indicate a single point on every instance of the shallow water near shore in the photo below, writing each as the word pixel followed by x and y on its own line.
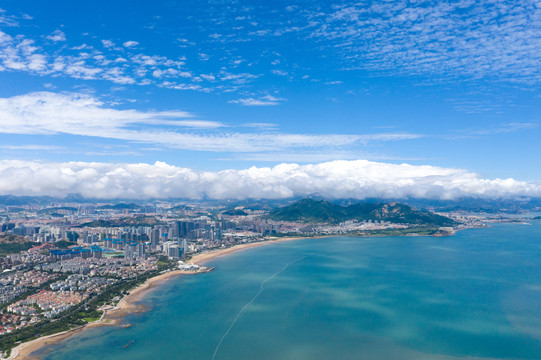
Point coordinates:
pixel 473 295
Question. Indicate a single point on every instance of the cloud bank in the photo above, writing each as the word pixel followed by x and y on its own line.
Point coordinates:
pixel 358 179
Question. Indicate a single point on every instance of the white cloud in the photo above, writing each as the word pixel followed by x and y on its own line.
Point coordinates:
pixel 315 156
pixel 37 62
pixel 30 147
pixel 108 43
pixel 130 44
pixel 237 79
pixel 358 179
pixel 254 102
pixel 261 125
pixel 8 20
pixel 19 54
pixel 208 77
pixel 56 36
pixel 279 72
pixel 46 112
pixel 267 100
pixel 74 113
pixel 503 128
pixel 110 62
pixel 493 39
pixel 84 115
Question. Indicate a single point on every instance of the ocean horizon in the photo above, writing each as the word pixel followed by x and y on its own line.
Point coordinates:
pixel 475 295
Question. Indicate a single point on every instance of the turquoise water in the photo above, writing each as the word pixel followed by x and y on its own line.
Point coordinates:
pixel 473 295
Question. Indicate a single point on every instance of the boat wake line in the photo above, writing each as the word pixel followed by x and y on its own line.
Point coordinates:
pixel 261 288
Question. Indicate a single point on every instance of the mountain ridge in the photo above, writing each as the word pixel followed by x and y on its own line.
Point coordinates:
pixel 323 211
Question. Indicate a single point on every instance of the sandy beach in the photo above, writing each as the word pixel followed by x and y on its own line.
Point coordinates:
pixel 202 258
pixel 130 303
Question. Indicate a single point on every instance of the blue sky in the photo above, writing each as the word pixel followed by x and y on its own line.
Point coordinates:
pixel 227 85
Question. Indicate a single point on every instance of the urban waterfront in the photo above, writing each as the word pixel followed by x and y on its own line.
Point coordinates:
pixel 472 295
pixel 264 180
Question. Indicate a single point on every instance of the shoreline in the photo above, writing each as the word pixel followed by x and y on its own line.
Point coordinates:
pixel 112 316
pixel 128 305
pixel 202 258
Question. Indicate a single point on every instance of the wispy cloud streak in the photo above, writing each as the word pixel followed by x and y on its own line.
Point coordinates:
pixel 47 113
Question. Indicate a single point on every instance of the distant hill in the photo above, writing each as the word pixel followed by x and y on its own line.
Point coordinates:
pixel 56 210
pixel 310 210
pixel 235 212
pixel 180 208
pixel 121 206
pixel 127 221
pixel 11 200
pixel 12 239
pixel 13 244
pixel 479 205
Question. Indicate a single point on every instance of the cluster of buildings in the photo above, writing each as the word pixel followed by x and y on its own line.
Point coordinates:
pixel 76 252
pixel 356 226
pixel 10 322
pixel 15 283
pixel 22 260
pixel 113 267
pixel 71 262
pixel 55 285
pixel 83 283
pixel 50 303
pixel 30 278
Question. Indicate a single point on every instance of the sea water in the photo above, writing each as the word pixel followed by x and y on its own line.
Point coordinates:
pixel 473 295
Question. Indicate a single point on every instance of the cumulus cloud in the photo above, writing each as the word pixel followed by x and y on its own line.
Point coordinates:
pixel 108 44
pixel 130 44
pixel 48 113
pixel 56 36
pixel 19 54
pixel 358 179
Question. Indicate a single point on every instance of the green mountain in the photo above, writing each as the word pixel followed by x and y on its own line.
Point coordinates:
pixel 309 210
pixel 321 211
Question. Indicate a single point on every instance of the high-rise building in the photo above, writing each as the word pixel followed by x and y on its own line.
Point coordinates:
pixel 154 238
pixel 185 246
pixel 134 249
pixel 140 249
pixel 174 251
pixel 173 231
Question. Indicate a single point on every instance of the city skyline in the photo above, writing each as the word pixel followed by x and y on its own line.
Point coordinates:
pixel 245 99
